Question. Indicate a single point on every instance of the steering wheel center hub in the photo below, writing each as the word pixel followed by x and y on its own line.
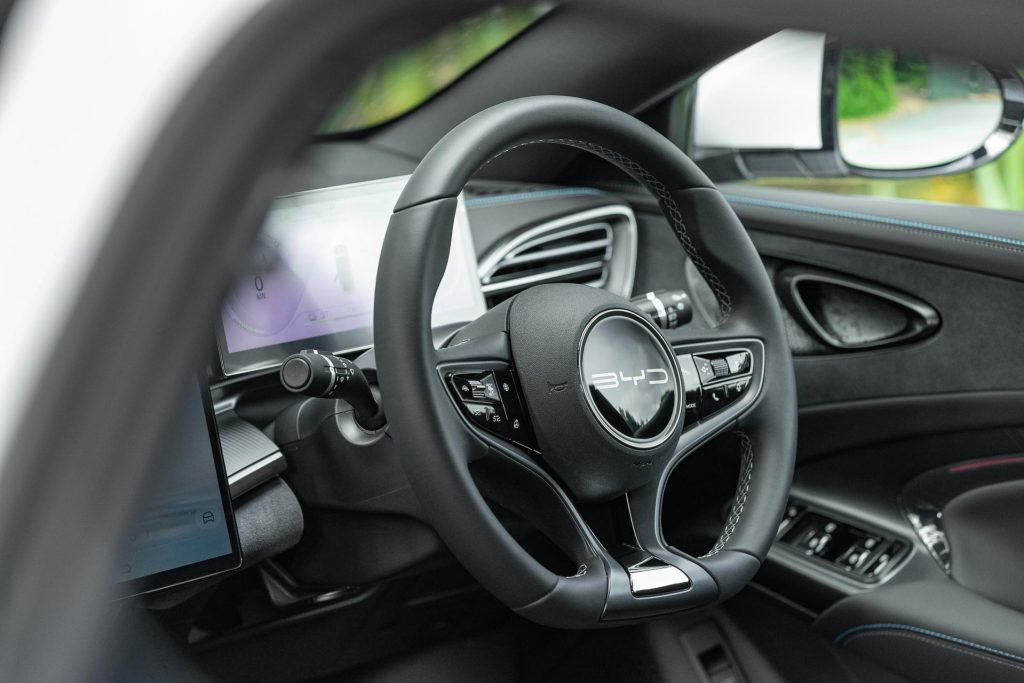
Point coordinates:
pixel 601 383
pixel 629 379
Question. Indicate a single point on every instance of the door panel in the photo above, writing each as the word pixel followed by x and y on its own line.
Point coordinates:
pixel 974 350
pixel 964 376
pixel 967 375
pixel 872 420
pixel 845 313
pixel 984 240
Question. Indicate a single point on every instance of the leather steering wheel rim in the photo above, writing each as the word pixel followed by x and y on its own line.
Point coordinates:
pixel 437 445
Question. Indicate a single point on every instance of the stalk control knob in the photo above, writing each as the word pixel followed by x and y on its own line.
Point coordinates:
pixel 324 375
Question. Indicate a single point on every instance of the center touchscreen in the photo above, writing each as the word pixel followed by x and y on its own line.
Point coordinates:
pixel 311 279
pixel 186 529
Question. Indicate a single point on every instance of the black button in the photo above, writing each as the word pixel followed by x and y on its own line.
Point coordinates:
pixel 688 372
pixel 490 417
pixel 704 369
pixel 738 362
pixel 518 424
pixel 497 421
pixel 463 387
pixel 505 385
pixel 477 390
pixel 715 398
pixel 691 385
pixel 478 412
pixel 296 373
pixel 736 389
pixel 476 386
pixel 720 366
pixel 488 388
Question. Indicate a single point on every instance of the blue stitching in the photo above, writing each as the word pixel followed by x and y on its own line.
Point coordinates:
pixel 533 194
pixel 772 204
pixel 767 203
pixel 934 634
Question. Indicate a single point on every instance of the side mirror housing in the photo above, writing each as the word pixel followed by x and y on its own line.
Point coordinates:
pixel 801 104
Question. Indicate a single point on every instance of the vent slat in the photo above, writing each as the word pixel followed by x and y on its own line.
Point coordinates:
pixel 576 233
pixel 576 248
pixel 598 247
pixel 549 275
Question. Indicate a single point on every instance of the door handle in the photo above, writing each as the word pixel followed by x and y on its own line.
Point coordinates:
pixel 850 314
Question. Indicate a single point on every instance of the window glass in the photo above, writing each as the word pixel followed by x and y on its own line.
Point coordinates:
pixel 406 79
pixel 886 82
pixel 902 109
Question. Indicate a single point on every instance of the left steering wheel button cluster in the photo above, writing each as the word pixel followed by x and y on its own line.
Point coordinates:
pixel 491 401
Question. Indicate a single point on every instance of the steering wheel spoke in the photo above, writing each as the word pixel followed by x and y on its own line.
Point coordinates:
pixel 723 378
pixel 467 349
pixel 648 577
pixel 644 576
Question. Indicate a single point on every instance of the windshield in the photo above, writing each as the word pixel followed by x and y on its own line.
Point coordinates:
pixel 406 79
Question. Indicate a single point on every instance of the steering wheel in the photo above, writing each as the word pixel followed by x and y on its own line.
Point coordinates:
pixel 597 393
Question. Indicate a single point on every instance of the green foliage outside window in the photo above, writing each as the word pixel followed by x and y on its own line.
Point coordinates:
pixel 408 78
pixel 867 82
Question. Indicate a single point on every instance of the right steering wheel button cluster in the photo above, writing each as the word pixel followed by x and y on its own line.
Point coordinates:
pixel 714 380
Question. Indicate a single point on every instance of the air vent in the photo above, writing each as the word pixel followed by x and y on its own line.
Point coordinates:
pixel 596 247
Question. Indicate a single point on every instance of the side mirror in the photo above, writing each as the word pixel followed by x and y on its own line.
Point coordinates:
pixel 801 104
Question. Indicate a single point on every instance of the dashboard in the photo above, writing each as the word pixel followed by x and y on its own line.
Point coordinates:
pixel 309 284
pixel 313 496
pixel 310 280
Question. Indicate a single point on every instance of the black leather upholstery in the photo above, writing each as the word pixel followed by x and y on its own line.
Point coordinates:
pixel 985 528
pixel 931 631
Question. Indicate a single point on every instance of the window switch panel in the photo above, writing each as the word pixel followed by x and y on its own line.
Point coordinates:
pixel 842 547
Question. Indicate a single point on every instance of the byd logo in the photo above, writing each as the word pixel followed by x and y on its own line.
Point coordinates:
pixel 612 380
